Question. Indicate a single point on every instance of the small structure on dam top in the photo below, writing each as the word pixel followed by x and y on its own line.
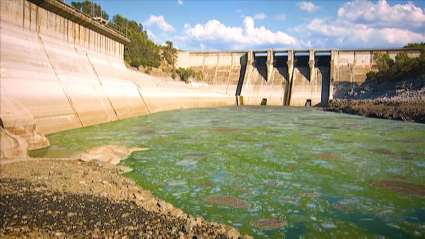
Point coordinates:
pixel 285 77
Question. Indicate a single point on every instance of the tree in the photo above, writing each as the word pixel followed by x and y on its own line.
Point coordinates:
pixel 90 8
pixel 140 51
pixel 416 46
pixel 383 61
pixel 169 53
pixel 403 66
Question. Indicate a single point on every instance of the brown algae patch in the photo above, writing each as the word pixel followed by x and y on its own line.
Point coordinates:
pixel 309 194
pixel 224 129
pixel 226 200
pixel 207 185
pixel 405 153
pixel 290 199
pixel 398 176
pixel 325 156
pixel 381 151
pixel 292 166
pixel 341 207
pixel 273 223
pixel 244 190
pixel 400 187
pixel 146 132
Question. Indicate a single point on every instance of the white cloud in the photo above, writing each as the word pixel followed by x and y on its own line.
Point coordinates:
pixel 214 33
pixel 365 24
pixel 238 11
pixel 308 6
pixel 151 36
pixel 243 16
pixel 179 2
pixel 382 14
pixel 160 23
pixel 280 17
pixel 348 34
pixel 202 46
pixel 260 16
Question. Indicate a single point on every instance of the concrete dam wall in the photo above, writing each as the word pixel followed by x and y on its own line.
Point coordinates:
pixel 285 77
pixel 60 70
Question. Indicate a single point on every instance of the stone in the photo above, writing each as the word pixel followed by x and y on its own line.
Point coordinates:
pixel 12 146
pixel 19 120
pixel 108 153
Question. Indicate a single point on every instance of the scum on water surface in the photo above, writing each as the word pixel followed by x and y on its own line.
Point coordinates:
pixel 274 171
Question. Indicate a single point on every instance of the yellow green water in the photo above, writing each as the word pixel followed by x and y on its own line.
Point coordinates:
pixel 309 167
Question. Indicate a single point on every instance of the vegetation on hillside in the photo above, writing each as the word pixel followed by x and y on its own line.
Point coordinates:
pixel 91 9
pixel 140 51
pixel 403 66
pixel 186 73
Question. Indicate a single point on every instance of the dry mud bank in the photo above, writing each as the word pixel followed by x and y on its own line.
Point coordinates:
pixel 406 111
pixel 58 198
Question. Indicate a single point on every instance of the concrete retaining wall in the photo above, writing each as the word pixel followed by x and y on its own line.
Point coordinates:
pixel 221 70
pixel 65 75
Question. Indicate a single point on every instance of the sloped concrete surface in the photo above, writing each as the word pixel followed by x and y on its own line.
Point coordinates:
pixel 62 76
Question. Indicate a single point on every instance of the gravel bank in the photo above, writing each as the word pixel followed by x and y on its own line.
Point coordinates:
pixel 90 199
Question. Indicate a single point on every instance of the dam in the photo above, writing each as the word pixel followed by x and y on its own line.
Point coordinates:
pixel 62 69
pixel 286 77
pixel 270 171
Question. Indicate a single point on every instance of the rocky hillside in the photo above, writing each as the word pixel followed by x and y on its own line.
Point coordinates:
pixel 394 99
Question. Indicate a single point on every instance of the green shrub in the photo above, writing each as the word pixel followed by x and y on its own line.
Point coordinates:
pixel 184 74
pixel 148 70
pixel 199 76
pixel 403 66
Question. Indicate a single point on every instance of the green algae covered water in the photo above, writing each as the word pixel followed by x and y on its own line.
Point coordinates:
pixel 274 171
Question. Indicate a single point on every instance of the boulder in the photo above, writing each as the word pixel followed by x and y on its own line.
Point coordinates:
pixel 18 120
pixel 12 146
pixel 108 153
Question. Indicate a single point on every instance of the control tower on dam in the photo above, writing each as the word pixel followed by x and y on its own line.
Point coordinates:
pixel 285 77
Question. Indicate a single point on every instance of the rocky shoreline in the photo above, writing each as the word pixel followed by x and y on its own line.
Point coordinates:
pixel 395 110
pixel 397 100
pixel 71 198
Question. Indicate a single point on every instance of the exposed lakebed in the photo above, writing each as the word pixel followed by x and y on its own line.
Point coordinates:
pixel 274 171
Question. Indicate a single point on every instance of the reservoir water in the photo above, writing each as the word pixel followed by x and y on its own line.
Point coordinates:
pixel 274 171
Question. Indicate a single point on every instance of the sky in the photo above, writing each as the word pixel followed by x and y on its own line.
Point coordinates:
pixel 198 25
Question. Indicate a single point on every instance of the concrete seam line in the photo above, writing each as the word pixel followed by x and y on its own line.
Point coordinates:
pixel 60 82
pixel 100 82
pixel 143 100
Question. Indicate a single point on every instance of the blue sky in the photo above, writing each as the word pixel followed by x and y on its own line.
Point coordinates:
pixel 265 24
